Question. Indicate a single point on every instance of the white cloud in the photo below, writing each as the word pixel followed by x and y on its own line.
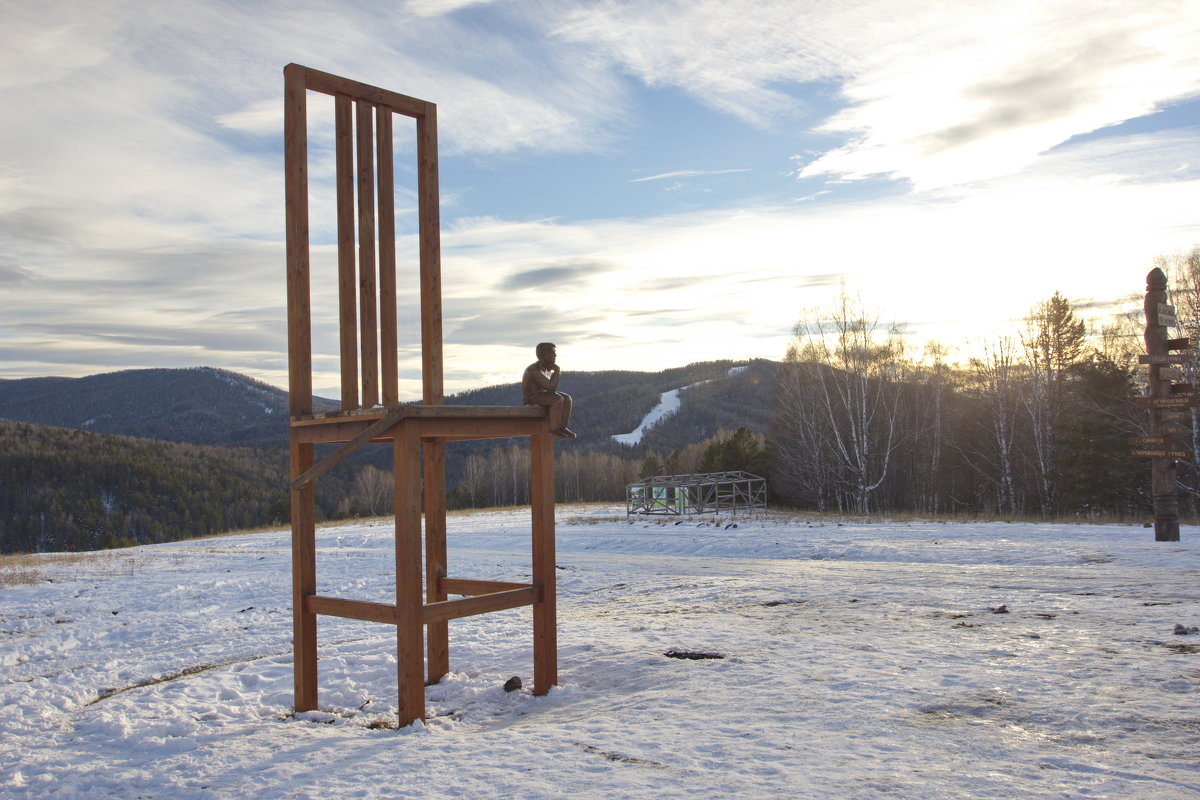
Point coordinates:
pixel 686 173
pixel 435 8
pixel 937 94
pixel 999 85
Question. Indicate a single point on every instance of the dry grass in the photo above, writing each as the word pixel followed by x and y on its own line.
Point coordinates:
pixel 23 569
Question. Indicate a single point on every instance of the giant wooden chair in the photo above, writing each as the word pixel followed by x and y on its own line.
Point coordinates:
pixel 416 432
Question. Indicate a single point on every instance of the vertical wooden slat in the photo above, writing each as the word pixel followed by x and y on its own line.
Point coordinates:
pixel 347 279
pixel 431 257
pixel 410 661
pixel 369 335
pixel 437 633
pixel 304 582
pixel 389 380
pixel 295 149
pixel 545 621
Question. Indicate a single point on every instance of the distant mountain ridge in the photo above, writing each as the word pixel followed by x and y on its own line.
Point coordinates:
pixel 210 406
pixel 198 405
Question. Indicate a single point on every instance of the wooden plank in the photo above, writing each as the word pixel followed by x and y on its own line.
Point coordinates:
pixel 1160 453
pixel 470 587
pixel 347 277
pixel 545 621
pixel 435 411
pixel 431 258
pixel 299 315
pixel 339 430
pixel 351 609
pixel 482 428
pixel 1184 343
pixel 367 301
pixel 336 457
pixel 304 584
pixel 326 83
pixel 1152 441
pixel 437 634
pixel 1173 401
pixel 480 604
pixel 1164 358
pixel 388 368
pixel 410 651
pixel 1182 388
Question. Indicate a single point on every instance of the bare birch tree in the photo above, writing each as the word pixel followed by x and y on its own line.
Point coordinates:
pixel 849 375
pixel 996 381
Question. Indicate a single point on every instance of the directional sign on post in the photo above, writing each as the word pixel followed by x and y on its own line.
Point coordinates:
pixel 1166 315
pixel 1160 453
pixel 1163 453
pixel 1171 401
pixel 1165 358
pixel 1153 441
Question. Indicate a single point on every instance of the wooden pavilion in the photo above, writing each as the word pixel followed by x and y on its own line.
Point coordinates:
pixel 417 433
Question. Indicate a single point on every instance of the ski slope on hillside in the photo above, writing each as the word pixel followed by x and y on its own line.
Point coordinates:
pixel 907 660
pixel 668 404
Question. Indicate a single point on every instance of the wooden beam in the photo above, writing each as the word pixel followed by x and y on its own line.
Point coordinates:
pixel 437 634
pixel 469 587
pixel 351 609
pixel 388 377
pixel 347 276
pixel 435 411
pixel 367 301
pixel 545 619
pixel 299 315
pixel 431 258
pixel 480 604
pixel 376 429
pixel 304 584
pixel 326 83
pixel 410 651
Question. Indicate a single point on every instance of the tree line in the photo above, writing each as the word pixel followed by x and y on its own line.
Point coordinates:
pixel 1034 424
pixel 63 489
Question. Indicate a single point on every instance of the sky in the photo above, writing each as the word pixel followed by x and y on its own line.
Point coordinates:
pixel 647 184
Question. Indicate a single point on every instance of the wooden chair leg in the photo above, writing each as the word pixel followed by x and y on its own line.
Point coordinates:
pixel 410 656
pixel 437 633
pixel 545 631
pixel 304 583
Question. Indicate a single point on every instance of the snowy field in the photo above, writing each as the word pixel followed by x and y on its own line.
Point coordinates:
pixel 907 660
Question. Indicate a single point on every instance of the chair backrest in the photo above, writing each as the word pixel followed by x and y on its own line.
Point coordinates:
pixel 367 322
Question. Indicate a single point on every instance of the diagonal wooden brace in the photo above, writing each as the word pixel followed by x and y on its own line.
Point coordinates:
pixel 376 428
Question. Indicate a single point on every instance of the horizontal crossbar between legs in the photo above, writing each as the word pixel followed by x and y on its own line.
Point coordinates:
pixel 482 602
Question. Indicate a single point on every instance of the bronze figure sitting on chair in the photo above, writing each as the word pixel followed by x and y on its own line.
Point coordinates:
pixel 539 386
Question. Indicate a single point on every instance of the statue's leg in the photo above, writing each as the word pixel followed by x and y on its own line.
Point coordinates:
pixel 567 405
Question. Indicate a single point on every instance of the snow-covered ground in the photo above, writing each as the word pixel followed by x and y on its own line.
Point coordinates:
pixel 860 661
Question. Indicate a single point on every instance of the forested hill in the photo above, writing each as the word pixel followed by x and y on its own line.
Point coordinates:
pixel 731 395
pixel 64 489
pixel 210 406
pixel 201 405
